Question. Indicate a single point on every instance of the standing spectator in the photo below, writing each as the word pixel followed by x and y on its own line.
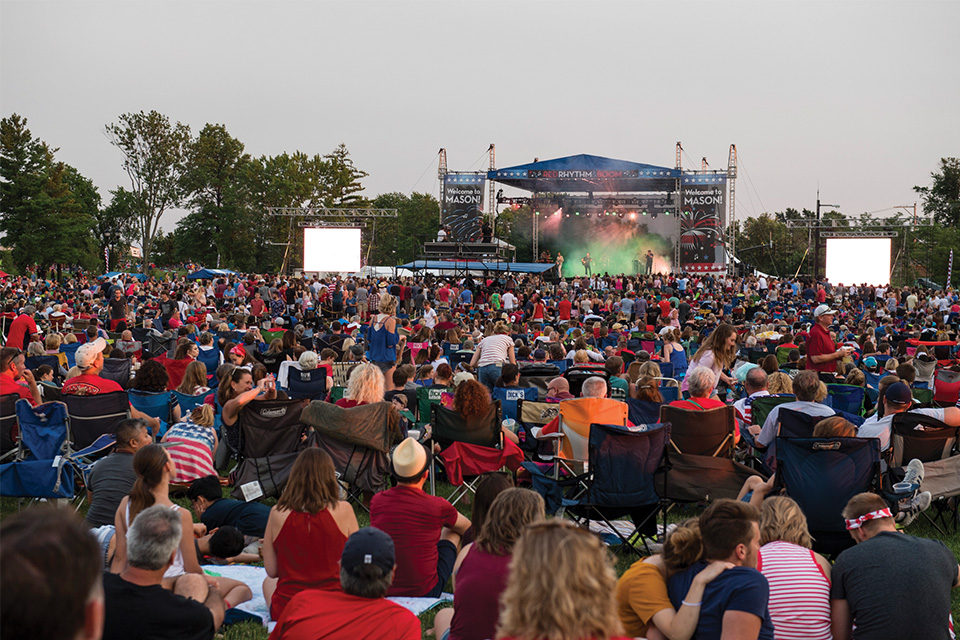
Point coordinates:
pixel 716 353
pixel 822 352
pixel 23 329
pixel 492 353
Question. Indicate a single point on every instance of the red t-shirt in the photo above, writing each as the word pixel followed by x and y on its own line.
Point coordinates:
pixel 664 308
pixel 257 307
pixel 89 385
pixel 698 404
pixel 819 344
pixel 20 331
pixel 443 295
pixel 336 615
pixel 564 309
pixel 413 519
pixel 9 385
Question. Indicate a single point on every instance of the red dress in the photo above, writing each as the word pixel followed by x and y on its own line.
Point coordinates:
pixel 308 550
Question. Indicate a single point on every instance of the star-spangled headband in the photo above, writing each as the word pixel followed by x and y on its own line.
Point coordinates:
pixel 856 523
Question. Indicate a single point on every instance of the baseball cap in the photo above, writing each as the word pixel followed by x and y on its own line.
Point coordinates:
pixel 870 361
pixel 823 310
pixel 898 393
pixel 87 353
pixel 368 546
pixel 539 354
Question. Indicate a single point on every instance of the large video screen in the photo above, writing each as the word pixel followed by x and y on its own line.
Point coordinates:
pixel 858 261
pixel 331 249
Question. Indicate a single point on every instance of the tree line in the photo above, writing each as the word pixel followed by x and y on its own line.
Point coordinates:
pixel 51 214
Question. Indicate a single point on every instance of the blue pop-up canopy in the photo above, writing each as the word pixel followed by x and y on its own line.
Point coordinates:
pixel 123 274
pixel 209 274
pixel 586 173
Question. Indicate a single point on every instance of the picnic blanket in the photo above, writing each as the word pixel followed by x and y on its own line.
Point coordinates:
pixel 257 606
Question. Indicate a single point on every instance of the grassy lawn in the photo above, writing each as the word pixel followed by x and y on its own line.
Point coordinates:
pixel 623 558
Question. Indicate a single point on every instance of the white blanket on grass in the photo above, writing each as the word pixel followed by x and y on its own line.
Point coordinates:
pixel 253 578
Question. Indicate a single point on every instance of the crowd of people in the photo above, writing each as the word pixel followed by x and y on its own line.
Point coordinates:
pixel 743 568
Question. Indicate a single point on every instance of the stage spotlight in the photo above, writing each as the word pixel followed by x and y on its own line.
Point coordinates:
pixel 619 214
pixel 536 213
pixel 666 213
pixel 577 213
pixel 567 215
pixel 654 215
pixel 644 213
pixel 633 216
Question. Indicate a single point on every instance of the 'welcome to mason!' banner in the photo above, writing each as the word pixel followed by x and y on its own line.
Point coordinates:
pixel 702 223
pixel 463 205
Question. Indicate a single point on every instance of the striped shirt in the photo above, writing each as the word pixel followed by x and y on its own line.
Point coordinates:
pixel 194 455
pixel 799 592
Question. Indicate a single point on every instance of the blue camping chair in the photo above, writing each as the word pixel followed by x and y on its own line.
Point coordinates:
pixel 189 403
pixel 666 369
pixel 846 397
pixel 822 474
pixel 43 430
pixel 156 405
pixel 623 464
pixel 643 411
pixel 70 350
pixel 8 426
pixel 508 399
pixel 211 360
pixel 563 365
pixel 669 394
pixel 307 384
pixel 51 361
pixel 94 416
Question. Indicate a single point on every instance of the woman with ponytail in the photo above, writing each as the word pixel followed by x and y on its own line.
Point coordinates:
pixel 154 469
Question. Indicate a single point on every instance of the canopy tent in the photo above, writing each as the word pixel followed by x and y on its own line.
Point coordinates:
pixel 123 274
pixel 4 274
pixel 476 265
pixel 210 274
pixel 586 173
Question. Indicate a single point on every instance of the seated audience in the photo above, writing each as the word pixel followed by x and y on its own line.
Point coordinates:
pixel 197 441
pixel 213 510
pixel 306 531
pixel 360 610
pixel 806 386
pixel 426 529
pixel 701 383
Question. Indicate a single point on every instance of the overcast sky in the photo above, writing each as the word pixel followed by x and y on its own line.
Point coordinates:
pixel 860 98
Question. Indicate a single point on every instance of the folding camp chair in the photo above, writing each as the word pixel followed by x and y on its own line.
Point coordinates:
pixel 846 397
pixel 189 403
pixel 449 430
pixel 51 361
pixel 922 396
pixel 535 415
pixel 44 430
pixel 336 393
pixel 822 474
pixel 620 481
pixel 783 355
pixel 796 424
pixel 268 428
pixel 358 440
pixel 94 416
pixel 70 350
pixel 702 433
pixel 576 416
pixel 578 374
pixel 643 411
pixel 118 370
pixel 563 365
pixel 509 397
pixel 427 396
pixel 156 404
pixel 460 357
pixel 311 385
pixel 761 407
pixel 666 369
pixel 210 359
pixel 8 426
pixel 946 387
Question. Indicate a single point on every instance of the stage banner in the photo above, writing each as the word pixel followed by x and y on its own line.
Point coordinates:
pixel 703 216
pixel 463 205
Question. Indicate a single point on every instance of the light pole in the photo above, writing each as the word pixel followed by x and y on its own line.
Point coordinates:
pixel 816 238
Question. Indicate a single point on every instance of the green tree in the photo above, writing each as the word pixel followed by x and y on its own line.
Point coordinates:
pixel 115 223
pixel 46 222
pixel 154 157
pixel 941 198
pixel 214 193
pixel 342 184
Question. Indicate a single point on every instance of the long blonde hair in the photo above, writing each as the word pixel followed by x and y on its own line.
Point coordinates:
pixel 194 376
pixel 782 519
pixel 365 384
pixel 561 587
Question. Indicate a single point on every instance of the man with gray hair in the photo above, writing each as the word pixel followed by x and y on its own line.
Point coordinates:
pixel 594 387
pixel 700 383
pixel 755 384
pixel 137 605
pixel 806 386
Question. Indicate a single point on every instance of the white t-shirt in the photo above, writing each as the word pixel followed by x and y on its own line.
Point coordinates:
pixel 769 430
pixel 509 301
pixel 494 349
pixel 874 427
pixel 430 318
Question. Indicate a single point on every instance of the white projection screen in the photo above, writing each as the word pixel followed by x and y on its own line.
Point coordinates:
pixel 858 261
pixel 331 249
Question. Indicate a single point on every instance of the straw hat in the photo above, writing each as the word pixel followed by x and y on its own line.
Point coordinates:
pixel 410 460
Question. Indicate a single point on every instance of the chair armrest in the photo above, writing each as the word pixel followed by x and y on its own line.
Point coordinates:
pixel 537 432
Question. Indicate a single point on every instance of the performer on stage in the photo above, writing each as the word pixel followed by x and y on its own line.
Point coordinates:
pixel 442 233
pixel 486 232
pixel 649 261
pixel 585 261
pixel 559 263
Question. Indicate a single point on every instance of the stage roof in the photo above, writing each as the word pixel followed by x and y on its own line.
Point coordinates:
pixel 586 173
pixel 476 265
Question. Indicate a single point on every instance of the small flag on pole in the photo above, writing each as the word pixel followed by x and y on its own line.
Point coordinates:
pixel 949 268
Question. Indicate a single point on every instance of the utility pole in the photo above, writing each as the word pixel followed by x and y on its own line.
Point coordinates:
pixel 816 237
